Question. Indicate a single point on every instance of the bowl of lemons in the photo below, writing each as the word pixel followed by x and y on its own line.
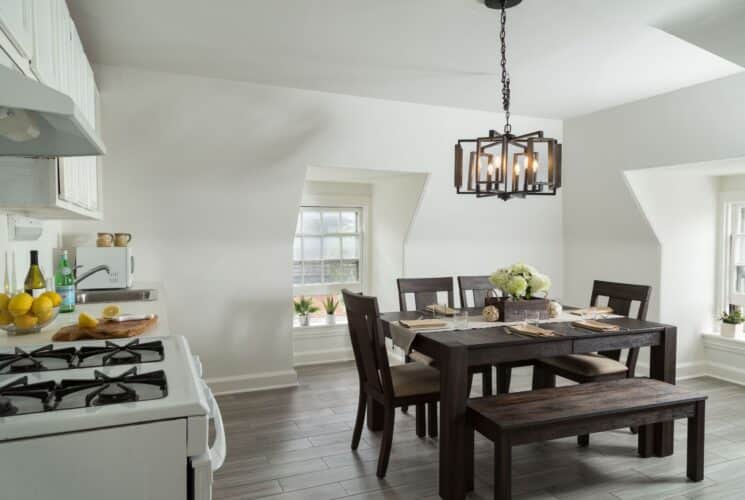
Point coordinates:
pixel 21 313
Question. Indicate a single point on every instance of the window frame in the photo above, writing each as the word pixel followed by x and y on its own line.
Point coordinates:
pixel 334 288
pixel 733 218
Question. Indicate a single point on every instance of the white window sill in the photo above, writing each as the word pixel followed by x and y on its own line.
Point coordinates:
pixel 319 326
pixel 714 340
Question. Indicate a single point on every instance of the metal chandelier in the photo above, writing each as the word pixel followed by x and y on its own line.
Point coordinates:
pixel 506 165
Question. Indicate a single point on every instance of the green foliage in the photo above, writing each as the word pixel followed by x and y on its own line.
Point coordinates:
pixel 520 281
pixel 330 304
pixel 304 305
pixel 733 318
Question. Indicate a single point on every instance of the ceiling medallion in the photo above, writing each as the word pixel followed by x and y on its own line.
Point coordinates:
pixel 506 165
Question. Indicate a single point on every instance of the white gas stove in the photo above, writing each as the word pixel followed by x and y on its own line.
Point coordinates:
pixel 117 419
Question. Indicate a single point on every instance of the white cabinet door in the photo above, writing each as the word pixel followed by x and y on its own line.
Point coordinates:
pixel 16 20
pixel 78 181
pixel 46 40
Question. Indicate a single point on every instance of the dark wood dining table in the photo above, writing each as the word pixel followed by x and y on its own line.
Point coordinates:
pixel 455 351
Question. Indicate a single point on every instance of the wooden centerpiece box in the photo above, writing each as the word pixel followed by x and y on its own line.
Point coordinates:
pixel 514 310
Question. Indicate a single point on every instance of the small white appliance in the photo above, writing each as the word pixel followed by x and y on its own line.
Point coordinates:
pixel 121 420
pixel 105 267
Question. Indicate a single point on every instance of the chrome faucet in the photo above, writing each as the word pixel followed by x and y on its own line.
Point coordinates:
pixel 90 272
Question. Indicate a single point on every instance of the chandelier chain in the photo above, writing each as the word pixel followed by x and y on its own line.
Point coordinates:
pixel 505 75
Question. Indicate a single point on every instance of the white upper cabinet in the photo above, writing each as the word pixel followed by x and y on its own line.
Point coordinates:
pixel 41 39
pixel 16 20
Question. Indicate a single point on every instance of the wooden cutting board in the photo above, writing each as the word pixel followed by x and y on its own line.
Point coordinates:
pixel 105 330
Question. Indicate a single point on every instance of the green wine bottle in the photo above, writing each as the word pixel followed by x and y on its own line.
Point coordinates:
pixel 64 284
pixel 34 284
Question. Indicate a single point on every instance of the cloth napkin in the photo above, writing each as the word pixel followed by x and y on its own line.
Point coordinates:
pixel 422 324
pixel 438 309
pixel 532 331
pixel 591 310
pixel 596 326
pixel 403 336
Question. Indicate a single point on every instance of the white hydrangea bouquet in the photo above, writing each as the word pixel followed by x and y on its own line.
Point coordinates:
pixel 520 281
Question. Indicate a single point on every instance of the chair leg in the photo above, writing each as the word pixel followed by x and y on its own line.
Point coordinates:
pixel 360 420
pixel 432 419
pixel 695 457
pixel 421 427
pixel 502 469
pixel 405 408
pixel 486 386
pixel 504 377
pixel 386 442
pixel 583 440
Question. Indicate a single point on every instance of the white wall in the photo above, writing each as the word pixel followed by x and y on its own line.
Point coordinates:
pixel 606 236
pixel 48 241
pixel 682 209
pixel 394 206
pixel 208 175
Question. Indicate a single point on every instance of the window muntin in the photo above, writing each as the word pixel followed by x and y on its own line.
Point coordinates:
pixel 327 249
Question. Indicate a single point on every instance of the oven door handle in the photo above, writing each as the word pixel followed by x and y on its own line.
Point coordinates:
pixel 219 448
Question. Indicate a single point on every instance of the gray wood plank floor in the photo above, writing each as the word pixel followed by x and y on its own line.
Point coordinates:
pixel 293 444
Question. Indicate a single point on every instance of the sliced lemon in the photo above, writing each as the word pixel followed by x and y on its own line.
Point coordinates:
pixel 20 304
pixel 111 311
pixel 87 321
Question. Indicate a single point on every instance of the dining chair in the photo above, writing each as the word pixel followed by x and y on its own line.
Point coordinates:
pixel 392 386
pixel 480 288
pixel 606 365
pixel 425 292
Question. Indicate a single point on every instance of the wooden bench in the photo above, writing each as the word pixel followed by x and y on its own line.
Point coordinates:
pixel 527 417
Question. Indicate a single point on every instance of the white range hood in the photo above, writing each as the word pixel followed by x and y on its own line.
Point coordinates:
pixel 38 121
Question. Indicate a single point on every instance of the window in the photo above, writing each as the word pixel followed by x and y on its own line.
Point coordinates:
pixel 327 250
pixel 735 257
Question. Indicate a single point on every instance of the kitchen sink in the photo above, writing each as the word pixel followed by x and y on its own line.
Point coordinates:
pixel 126 295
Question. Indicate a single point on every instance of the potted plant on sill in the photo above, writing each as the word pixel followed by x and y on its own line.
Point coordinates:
pixel 304 308
pixel 520 284
pixel 732 324
pixel 330 304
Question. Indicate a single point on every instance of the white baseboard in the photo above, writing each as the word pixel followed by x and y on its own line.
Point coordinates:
pixel 253 382
pixel 323 356
pixel 690 369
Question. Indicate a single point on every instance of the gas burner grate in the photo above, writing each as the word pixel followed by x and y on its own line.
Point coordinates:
pixel 41 359
pixel 115 354
pixel 16 395
pixel 105 389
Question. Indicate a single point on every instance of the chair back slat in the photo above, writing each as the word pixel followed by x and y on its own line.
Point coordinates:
pixel 368 344
pixel 424 290
pixel 620 297
pixel 480 288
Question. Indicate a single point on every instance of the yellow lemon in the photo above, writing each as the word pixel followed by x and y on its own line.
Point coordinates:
pixel 20 304
pixel 26 321
pixel 5 318
pixel 4 299
pixel 45 316
pixel 111 311
pixel 87 321
pixel 54 297
pixel 41 305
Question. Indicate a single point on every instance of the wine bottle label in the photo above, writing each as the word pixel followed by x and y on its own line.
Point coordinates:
pixel 67 292
pixel 36 292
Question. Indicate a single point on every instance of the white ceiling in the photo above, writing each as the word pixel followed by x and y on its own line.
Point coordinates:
pixel 566 58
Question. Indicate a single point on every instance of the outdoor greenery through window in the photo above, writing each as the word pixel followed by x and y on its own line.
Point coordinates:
pixel 735 274
pixel 327 246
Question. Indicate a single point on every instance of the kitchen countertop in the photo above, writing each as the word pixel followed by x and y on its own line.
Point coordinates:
pixel 45 336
